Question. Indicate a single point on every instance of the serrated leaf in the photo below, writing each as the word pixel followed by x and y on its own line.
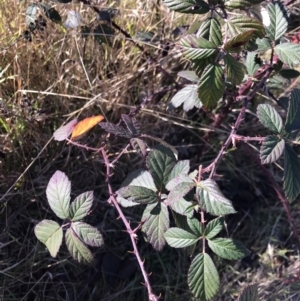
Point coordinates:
pixel 189 75
pixel 293 116
pixel 115 129
pixel 291 177
pixel 251 64
pixel 214 227
pixel 181 167
pixel 238 24
pixel 183 207
pixel 203 278
pixel 271 149
pixel 288 53
pixel 212 200
pixel 160 163
pixel 278 20
pixel 284 102
pixel 239 40
pixel 289 73
pixel 77 248
pixel 187 96
pixel 180 191
pixel 156 225
pixel 65 131
pixel 211 86
pixel 81 206
pixel 187 6
pixel 269 117
pixel 195 48
pixel 58 194
pixel 195 226
pixel 249 293
pixel 138 194
pixel 233 4
pixel 263 44
pixel 50 234
pixel 200 65
pixel 133 126
pixel 179 238
pixel 180 178
pixel 139 145
pixel 234 70
pixel 228 248
pixel 88 234
pixel 210 30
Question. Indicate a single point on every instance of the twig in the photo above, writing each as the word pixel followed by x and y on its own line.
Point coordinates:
pixel 132 234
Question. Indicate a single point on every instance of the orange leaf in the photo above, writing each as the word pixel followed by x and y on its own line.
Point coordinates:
pixel 85 125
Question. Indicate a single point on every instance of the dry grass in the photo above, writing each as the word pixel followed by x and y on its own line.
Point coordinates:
pixel 61 75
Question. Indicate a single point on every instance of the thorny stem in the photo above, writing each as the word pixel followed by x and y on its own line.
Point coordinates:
pixel 132 234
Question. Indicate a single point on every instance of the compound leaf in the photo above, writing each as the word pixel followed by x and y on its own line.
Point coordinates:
pixel 51 234
pixel 58 194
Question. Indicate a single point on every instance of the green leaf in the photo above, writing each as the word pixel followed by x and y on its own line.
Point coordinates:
pixel 187 6
pixel 180 191
pixel 138 194
pixel 183 207
pixel 214 227
pixel 156 223
pixel 278 20
pixel 233 4
pixel 160 163
pixel 181 178
pixel 288 53
pixel 81 206
pixel 263 44
pixel 269 117
pixel 200 65
pixel 50 234
pixel 77 248
pixel 181 167
pixel 234 70
pixel 228 248
pixel 187 96
pixel 195 226
pixel 210 30
pixel 239 40
pixel 203 278
pixel 189 75
pixel 238 24
pixel 88 234
pixel 212 200
pixel 293 116
pixel 249 293
pixel 179 238
pixel 251 63
pixel 211 86
pixel 195 48
pixel 289 73
pixel 58 194
pixel 271 149
pixel 291 177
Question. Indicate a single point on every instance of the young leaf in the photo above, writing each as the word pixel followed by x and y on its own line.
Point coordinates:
pixel 278 20
pixel 65 131
pixel 156 223
pixel 58 194
pixel 181 167
pixel 214 227
pixel 203 278
pixel 291 177
pixel 81 206
pixel 183 207
pixel 187 6
pixel 195 226
pixel 187 96
pixel 228 248
pixel 160 163
pixel 210 30
pixel 77 248
pixel 271 149
pixel 180 191
pixel 189 75
pixel 85 125
pixel 49 233
pixel 249 293
pixel 269 117
pixel 88 234
pixel 234 69
pixel 133 126
pixel 139 146
pixel 179 238
pixel 239 40
pixel 212 200
pixel 251 64
pixel 293 117
pixel 138 194
pixel 115 129
pixel 212 85
pixel 288 53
